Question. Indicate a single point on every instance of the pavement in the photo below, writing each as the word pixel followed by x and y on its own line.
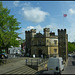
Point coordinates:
pixel 16 68
pixel 20 67
pixel 70 68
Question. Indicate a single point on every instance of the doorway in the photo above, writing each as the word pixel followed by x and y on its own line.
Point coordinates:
pixel 40 53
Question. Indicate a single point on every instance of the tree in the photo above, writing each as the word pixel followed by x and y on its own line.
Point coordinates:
pixel 8 28
pixel 71 46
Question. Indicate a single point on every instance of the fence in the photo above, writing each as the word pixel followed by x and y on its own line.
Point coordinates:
pixel 35 62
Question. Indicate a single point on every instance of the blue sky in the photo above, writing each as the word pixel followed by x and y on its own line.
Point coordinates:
pixel 41 14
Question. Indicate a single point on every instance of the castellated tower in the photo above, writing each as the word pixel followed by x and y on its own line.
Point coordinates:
pixel 47 32
pixel 33 32
pixel 63 44
pixel 29 35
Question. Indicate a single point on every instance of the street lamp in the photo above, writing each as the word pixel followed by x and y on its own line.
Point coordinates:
pixel 50 49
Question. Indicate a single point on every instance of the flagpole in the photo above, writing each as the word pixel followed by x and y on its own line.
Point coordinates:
pixel 63 20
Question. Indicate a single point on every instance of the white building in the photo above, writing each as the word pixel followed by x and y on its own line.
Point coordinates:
pixel 15 50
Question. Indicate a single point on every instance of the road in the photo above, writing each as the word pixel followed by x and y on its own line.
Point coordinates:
pixel 70 68
pixel 20 67
pixel 16 68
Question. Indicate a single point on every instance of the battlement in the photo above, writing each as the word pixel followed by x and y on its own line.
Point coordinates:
pixel 27 31
pixel 61 30
pixel 52 33
pixel 46 30
pixel 33 30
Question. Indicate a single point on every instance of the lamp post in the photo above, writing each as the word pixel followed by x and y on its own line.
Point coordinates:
pixel 50 49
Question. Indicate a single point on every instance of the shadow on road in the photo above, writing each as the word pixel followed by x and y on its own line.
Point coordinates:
pixel 40 72
pixel 73 57
pixel 73 63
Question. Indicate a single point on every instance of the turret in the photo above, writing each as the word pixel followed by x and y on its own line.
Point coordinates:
pixel 33 32
pixel 63 43
pixel 47 32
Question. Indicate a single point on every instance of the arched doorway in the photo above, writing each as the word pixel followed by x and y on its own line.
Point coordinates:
pixel 39 53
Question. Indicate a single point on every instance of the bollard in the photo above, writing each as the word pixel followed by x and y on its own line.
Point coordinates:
pixel 26 61
pixel 31 62
pixel 37 62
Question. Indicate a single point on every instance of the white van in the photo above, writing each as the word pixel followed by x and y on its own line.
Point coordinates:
pixel 55 64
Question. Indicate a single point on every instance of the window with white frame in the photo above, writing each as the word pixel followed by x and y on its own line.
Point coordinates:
pixel 55 50
pixel 55 42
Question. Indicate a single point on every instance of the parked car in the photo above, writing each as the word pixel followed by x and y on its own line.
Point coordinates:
pixel 69 55
pixel 3 56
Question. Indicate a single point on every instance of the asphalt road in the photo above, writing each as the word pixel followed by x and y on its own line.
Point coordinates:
pixel 70 68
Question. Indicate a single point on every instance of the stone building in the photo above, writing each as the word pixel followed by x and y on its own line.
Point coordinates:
pixel 63 44
pixel 41 44
pixel 47 44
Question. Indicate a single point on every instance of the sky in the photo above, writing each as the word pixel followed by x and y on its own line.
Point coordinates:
pixel 44 14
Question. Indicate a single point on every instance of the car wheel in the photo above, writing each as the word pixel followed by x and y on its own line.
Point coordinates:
pixel 63 69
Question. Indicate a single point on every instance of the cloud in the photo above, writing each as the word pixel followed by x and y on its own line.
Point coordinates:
pixel 71 11
pixel 30 27
pixel 51 27
pixel 71 21
pixel 16 3
pixel 34 14
pixel 39 28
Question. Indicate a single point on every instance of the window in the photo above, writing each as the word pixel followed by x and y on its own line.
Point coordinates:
pixel 32 43
pixel 55 50
pixel 62 62
pixel 16 51
pixel 39 42
pixel 55 42
pixel 47 40
pixel 13 50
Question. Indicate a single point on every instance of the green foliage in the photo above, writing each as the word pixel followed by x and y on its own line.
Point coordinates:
pixel 71 46
pixel 8 28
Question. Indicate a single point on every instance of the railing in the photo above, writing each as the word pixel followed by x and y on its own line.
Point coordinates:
pixel 35 62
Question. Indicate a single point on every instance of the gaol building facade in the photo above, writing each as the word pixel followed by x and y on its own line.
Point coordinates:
pixel 46 44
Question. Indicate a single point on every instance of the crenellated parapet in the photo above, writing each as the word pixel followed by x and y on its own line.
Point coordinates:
pixel 27 31
pixel 52 33
pixel 61 30
pixel 46 30
pixel 33 30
